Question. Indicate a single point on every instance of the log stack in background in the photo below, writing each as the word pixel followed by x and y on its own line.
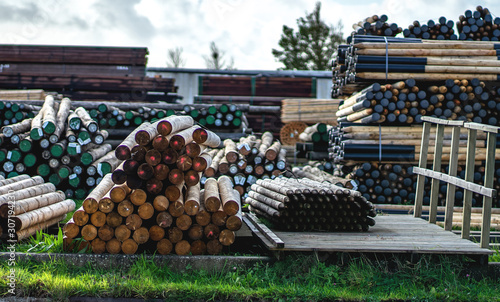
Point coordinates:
pixel 248 160
pixel 478 25
pixel 314 142
pixel 12 113
pixel 309 111
pixel 28 205
pixel 376 26
pixel 431 30
pixel 153 200
pixel 308 205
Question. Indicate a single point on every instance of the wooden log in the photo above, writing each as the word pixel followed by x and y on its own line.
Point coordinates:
pixel 32 203
pixel 27 192
pixel 206 137
pixel 182 247
pixel 214 166
pixel 192 203
pixel 226 237
pixel 98 219
pixel 276 188
pixel 195 232
pixel 204 160
pixel 49 115
pixel 211 194
pixel 263 207
pixel 141 235
pixel 138 197
pixel 90 204
pixel 211 231
pixel 36 131
pixel 161 143
pixel 118 193
pixel 20 185
pixel 214 247
pixel 106 233
pixel 14 179
pixel 161 172
pixel 181 138
pixel 198 247
pixel 164 219
pixel 174 235
pixel 184 162
pixel 273 151
pixel 123 151
pixel 61 118
pixel 270 201
pixel 193 149
pixel 144 136
pixel 89 232
pixel 173 124
pixel 146 211
pixel 176 208
pixel 23 234
pixel 70 229
pixel 156 233
pixel 230 152
pixel 176 177
pixel 114 219
pixel 161 203
pixel 113 246
pixel 122 233
pixel 164 246
pixel 17 128
pixel 235 222
pixel 129 246
pixel 133 222
pixel 203 217
pixel 125 208
pixel 87 121
pixel 230 199
pixel 183 222
pixel 245 145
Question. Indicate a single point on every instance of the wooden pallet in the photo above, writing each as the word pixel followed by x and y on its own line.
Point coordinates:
pixel 396 234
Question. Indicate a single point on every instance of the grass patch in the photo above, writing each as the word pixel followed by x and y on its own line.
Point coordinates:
pixel 297 278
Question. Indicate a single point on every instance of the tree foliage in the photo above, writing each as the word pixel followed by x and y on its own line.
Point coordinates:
pixel 216 59
pixel 175 59
pixel 312 46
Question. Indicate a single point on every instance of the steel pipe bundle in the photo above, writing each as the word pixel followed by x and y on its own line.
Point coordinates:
pixel 307 205
pixel 405 58
pixel 248 160
pixel 478 25
pixel 441 30
pixel 376 26
pixel 28 205
pixel 406 102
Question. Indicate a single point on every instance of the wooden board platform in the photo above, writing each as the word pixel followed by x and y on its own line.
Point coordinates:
pixel 391 234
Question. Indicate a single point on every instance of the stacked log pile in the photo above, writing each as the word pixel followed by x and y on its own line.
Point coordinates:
pixel 314 142
pixel 376 26
pixel 405 102
pixel 478 25
pixel 65 147
pixel 28 205
pixel 154 201
pixel 12 113
pixel 441 30
pixel 248 160
pixel 309 111
pixel 309 205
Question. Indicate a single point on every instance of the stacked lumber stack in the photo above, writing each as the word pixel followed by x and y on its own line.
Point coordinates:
pixel 376 26
pixel 478 25
pixel 410 58
pixel 154 201
pixel 65 147
pixel 12 113
pixel 309 111
pixel 406 102
pixel 358 144
pixel 309 205
pixel 441 30
pixel 248 160
pixel 28 205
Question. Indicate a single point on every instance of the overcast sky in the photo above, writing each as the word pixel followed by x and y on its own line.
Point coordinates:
pixel 245 30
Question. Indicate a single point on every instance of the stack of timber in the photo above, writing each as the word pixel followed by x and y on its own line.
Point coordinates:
pixel 223 117
pixel 28 205
pixel 313 171
pixel 314 142
pixel 307 205
pixel 65 147
pixel 12 113
pixel 405 102
pixel 394 144
pixel 376 26
pixel 441 30
pixel 289 133
pixel 25 94
pixel 250 159
pixel 154 202
pixel 309 111
pixel 83 72
pixel 478 25
pixel 410 58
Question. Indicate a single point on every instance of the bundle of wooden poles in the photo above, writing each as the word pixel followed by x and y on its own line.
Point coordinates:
pixel 63 146
pixel 376 25
pixel 478 25
pixel 28 205
pixel 308 205
pixel 314 141
pixel 441 30
pixel 24 94
pixel 395 144
pixel 309 110
pixel 154 201
pixel 315 173
pixel 250 159
pixel 372 59
pixel 12 113
pixel 405 102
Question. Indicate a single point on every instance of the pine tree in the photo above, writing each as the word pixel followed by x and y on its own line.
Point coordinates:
pixel 312 46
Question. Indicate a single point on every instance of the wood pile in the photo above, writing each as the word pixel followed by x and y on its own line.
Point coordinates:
pixel 441 30
pixel 307 205
pixel 153 200
pixel 28 205
pixel 12 113
pixel 478 25
pixel 25 94
pixel 377 26
pixel 309 111
pixel 248 160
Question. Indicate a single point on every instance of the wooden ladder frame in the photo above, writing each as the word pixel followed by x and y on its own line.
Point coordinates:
pixel 453 181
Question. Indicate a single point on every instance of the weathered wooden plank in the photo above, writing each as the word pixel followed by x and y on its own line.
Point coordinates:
pixel 482 127
pixel 270 235
pixel 426 129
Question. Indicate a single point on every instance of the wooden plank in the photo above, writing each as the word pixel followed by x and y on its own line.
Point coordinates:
pixel 482 127
pixel 456 181
pixel 270 235
pixel 419 196
pixel 469 177
pixel 436 166
pixel 452 171
pixel 439 121
pixel 257 233
pixel 488 183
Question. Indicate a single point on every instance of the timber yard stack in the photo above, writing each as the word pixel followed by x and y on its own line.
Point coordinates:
pixel 309 205
pixel 153 201
pixel 65 147
pixel 309 111
pixel 314 142
pixel 376 26
pixel 28 205
pixel 248 160
pixel 478 25
pixel 82 73
pixel 12 113
pixel 441 30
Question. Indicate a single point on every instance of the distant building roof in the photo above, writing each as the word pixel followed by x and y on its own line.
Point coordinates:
pixel 264 73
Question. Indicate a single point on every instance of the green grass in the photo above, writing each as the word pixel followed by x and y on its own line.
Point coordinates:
pixel 297 278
